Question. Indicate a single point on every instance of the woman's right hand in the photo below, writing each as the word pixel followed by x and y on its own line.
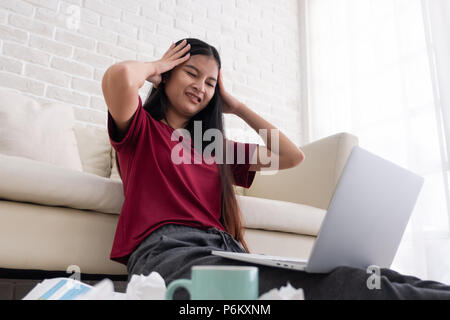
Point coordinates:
pixel 170 60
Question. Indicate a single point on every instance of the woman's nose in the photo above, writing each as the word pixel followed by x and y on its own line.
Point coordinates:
pixel 200 86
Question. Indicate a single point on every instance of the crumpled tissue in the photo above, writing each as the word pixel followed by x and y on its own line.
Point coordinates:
pixel 151 287
pixel 287 292
pixel 140 287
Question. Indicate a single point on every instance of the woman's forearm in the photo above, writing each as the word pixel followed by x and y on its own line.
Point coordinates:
pixel 137 71
pixel 284 147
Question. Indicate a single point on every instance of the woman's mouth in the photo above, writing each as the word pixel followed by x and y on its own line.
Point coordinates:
pixel 193 98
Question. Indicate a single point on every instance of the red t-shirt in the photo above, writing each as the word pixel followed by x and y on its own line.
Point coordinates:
pixel 157 191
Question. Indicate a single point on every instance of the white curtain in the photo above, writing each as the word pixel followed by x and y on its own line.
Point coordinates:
pixel 380 70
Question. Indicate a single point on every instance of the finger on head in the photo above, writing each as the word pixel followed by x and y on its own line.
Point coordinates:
pixel 182 49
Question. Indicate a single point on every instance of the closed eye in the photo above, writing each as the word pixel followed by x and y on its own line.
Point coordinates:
pixel 194 76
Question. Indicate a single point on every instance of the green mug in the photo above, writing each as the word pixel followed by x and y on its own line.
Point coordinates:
pixel 219 283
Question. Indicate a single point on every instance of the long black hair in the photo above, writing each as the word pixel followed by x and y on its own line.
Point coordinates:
pixel 157 103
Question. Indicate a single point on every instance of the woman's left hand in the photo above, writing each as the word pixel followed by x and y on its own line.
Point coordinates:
pixel 229 103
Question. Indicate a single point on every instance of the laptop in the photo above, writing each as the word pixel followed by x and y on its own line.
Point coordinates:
pixel 364 223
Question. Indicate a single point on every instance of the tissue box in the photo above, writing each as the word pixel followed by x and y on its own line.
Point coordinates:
pixel 58 289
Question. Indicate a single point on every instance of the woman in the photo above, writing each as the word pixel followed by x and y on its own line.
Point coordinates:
pixel 175 213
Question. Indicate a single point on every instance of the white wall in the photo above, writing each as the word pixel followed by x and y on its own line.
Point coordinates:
pixel 45 54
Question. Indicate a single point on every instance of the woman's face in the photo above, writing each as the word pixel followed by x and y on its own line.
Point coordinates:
pixel 197 76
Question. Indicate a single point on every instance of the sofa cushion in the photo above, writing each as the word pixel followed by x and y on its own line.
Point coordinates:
pixel 53 238
pixel 94 149
pixel 43 183
pixel 276 243
pixel 114 170
pixel 38 131
pixel 267 214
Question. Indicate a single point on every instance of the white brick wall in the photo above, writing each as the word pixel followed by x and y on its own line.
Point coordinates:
pixel 46 57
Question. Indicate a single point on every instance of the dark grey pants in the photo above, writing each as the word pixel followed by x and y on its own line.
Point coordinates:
pixel 173 249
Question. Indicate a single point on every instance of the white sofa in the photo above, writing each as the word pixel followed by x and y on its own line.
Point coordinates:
pixel 60 194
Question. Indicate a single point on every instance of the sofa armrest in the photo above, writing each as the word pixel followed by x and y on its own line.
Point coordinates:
pixel 313 181
pixel 27 180
pixel 275 215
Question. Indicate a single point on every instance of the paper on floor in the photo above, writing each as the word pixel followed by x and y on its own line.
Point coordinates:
pixel 287 292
